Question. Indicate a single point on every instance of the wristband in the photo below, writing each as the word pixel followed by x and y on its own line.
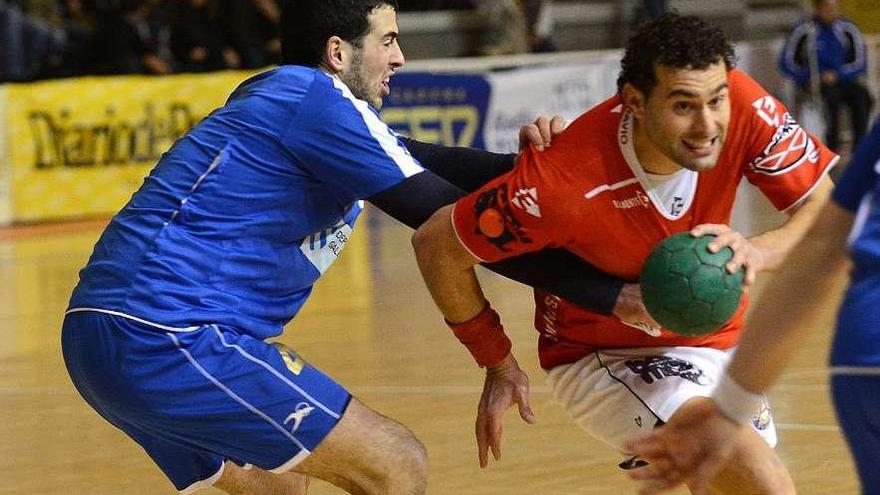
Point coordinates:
pixel 735 402
pixel 484 337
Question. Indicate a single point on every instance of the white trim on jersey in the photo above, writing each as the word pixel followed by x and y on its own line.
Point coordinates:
pixel 134 318
pixel 609 187
pixel 855 370
pixel 381 133
pixel 684 184
pixel 861 219
pixel 813 187
pixel 458 236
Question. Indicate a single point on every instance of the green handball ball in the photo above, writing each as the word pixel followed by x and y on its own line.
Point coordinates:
pixel 687 289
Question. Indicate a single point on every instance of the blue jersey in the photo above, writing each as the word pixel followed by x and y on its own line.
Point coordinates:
pixel 858 334
pixel 247 210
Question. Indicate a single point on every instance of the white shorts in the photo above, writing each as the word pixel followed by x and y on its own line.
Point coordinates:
pixel 614 394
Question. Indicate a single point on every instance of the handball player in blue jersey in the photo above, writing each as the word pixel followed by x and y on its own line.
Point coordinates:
pixel 693 447
pixel 165 335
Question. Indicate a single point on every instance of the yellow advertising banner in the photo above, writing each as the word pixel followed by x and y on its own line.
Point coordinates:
pixel 865 13
pixel 80 147
pixel 5 168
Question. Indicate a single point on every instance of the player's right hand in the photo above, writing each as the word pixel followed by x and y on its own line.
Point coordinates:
pixel 630 309
pixel 505 385
pixel 540 132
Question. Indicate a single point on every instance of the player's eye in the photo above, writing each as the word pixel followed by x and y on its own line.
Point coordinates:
pixel 717 101
pixel 681 107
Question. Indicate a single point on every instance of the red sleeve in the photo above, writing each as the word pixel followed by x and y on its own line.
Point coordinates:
pixel 785 161
pixel 511 215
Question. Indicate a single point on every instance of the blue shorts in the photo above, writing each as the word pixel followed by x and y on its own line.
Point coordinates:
pixel 855 400
pixel 193 399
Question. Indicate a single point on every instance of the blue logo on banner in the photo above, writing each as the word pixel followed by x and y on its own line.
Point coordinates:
pixel 441 109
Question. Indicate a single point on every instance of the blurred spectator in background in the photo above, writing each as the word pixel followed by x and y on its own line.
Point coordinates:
pixel 826 55
pixel 516 26
pixel 652 9
pixel 252 31
pixel 197 40
pixel 128 37
pixel 28 44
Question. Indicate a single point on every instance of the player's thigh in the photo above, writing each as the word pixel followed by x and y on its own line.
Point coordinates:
pixel 365 446
pixel 616 394
pixel 856 403
pixel 195 399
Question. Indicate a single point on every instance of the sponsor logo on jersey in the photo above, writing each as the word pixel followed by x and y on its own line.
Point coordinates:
pixel 322 248
pixel 762 419
pixel 640 199
pixel 527 199
pixel 495 219
pixel 768 110
pixel 790 147
pixel 299 413
pixel 655 368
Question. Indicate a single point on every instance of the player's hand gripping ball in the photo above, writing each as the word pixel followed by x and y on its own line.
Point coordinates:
pixel 687 288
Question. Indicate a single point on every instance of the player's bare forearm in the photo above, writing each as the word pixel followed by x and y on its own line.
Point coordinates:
pixel 787 308
pixel 448 268
pixel 776 244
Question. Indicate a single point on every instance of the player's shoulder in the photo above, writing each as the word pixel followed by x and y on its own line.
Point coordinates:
pixel 752 106
pixel 591 135
pixel 584 156
pixel 744 90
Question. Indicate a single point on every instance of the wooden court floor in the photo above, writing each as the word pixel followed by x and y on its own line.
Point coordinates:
pixel 372 326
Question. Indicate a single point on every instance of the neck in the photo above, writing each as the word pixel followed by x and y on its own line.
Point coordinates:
pixel 651 159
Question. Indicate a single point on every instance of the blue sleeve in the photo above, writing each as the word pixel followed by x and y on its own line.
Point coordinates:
pixel 857 60
pixel 860 175
pixel 341 141
pixel 791 61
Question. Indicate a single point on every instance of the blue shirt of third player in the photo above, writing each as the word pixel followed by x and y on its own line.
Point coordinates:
pixel 247 210
pixel 857 342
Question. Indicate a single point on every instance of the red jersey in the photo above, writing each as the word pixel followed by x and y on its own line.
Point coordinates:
pixel 588 193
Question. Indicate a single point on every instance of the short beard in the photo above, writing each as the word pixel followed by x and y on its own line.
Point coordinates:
pixel 355 81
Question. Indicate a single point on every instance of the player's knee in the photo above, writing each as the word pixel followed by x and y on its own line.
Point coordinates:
pixel 408 467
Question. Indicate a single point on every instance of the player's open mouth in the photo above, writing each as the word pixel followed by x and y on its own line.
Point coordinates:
pixel 701 147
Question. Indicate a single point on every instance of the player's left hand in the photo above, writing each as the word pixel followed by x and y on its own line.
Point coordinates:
pixel 745 254
pixel 540 132
pixel 505 385
pixel 689 449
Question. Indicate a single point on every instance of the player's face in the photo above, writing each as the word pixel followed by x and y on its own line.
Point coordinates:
pixel 684 119
pixel 374 63
pixel 828 11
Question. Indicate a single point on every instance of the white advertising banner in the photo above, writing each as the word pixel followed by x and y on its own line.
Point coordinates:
pixel 519 96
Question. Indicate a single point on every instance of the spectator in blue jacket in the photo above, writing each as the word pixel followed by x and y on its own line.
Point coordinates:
pixel 828 54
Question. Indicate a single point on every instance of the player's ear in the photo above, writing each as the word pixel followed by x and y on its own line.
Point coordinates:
pixel 634 99
pixel 334 54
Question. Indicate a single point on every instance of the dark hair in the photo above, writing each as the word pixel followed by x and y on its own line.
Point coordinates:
pixel 306 25
pixel 675 41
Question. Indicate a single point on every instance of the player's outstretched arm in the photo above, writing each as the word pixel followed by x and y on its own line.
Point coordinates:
pixel 448 269
pixel 468 168
pixel 690 448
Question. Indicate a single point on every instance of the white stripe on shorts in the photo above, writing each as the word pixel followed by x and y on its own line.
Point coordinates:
pixel 232 394
pixel 274 372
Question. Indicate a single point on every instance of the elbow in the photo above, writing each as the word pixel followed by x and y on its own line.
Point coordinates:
pixel 423 237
